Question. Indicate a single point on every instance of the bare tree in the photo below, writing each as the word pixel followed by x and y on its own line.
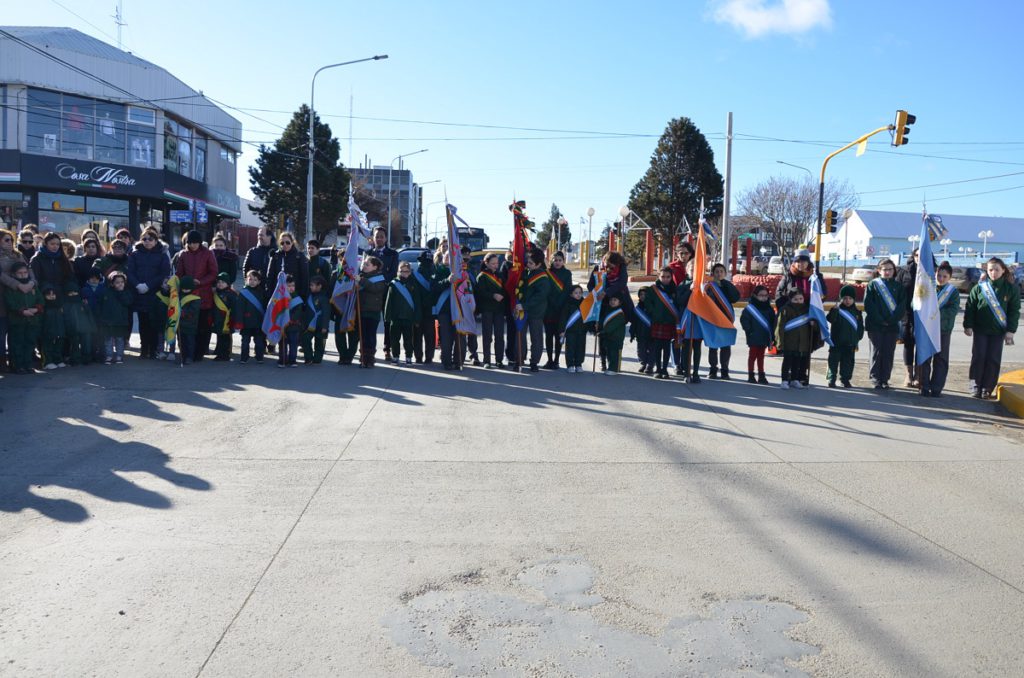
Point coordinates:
pixel 786 209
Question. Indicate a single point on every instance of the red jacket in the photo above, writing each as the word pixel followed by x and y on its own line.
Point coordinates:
pixel 678 271
pixel 201 265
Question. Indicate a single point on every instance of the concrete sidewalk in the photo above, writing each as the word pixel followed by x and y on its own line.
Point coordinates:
pixel 226 520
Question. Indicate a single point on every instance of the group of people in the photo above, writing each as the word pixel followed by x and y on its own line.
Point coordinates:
pixel 73 303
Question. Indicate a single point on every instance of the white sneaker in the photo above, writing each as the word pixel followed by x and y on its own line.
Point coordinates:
pixel 50 366
pixel 170 356
pixel 784 384
pixel 62 364
pixel 796 384
pixel 160 355
pixel 610 372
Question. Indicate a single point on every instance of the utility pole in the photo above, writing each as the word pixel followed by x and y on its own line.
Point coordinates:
pixel 726 235
pixel 119 21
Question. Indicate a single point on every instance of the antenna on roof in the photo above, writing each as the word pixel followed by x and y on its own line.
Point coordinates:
pixel 119 21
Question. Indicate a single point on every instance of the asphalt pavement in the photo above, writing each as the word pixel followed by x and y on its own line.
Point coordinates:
pixel 230 520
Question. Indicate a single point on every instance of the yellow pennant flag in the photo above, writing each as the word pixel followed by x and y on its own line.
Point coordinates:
pixel 861 147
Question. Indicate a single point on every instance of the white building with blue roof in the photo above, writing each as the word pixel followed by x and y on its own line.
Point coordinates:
pixel 868 235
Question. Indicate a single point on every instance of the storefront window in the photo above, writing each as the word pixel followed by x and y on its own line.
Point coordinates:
pixel 141 142
pixel 200 163
pixel 77 124
pixel 184 151
pixel 43 121
pixel 142 116
pixel 170 145
pixel 71 224
pixel 107 206
pixel 10 210
pixel 65 202
pixel 110 132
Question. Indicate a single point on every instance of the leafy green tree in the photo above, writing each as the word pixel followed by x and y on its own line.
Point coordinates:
pixel 279 178
pixel 681 173
pixel 550 228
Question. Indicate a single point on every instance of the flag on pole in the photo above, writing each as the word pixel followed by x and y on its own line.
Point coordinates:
pixel 520 245
pixel 173 311
pixel 462 300
pixel 343 296
pixel 708 315
pixel 278 310
pixel 817 310
pixel 927 326
pixel 590 307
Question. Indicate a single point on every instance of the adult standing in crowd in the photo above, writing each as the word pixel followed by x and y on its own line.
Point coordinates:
pixel 798 278
pixel 50 267
pixel 227 260
pixel 87 235
pixel 83 263
pixel 197 261
pixel 9 255
pixel 148 267
pixel 258 257
pixel 389 269
pixel 290 260
pixel 27 244
pixel 318 265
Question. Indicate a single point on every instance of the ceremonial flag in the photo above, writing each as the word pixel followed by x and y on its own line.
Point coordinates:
pixel 927 328
pixel 343 296
pixel 520 245
pixel 278 310
pixel 936 229
pixel 462 300
pixel 708 315
pixel 173 311
pixel 817 310
pixel 590 307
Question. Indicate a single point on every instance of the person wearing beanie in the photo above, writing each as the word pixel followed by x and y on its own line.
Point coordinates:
pixel 225 313
pixel 847 327
pixel 189 318
pixel 798 277
pixel 758 322
pixel 198 262
pixel 227 260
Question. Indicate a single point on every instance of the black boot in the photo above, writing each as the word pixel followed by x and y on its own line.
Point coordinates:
pixel 725 373
pixel 751 379
pixel 762 378
pixel 713 373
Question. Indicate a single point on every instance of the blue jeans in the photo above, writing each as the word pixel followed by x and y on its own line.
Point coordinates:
pixel 114 348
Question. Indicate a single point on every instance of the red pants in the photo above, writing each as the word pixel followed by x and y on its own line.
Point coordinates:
pixel 756 355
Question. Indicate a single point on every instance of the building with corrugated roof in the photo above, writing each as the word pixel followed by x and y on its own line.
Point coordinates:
pixel 873 235
pixel 93 136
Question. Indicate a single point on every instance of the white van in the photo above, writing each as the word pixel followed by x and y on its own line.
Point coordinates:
pixel 776 266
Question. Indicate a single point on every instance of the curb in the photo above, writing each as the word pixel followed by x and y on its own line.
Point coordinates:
pixel 1010 392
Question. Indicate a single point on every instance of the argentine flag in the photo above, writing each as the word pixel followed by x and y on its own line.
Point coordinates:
pixel 926 304
pixel 817 309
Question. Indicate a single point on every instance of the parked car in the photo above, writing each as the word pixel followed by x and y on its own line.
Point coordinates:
pixel 1018 275
pixel 965 277
pixel 776 266
pixel 412 255
pixel 862 275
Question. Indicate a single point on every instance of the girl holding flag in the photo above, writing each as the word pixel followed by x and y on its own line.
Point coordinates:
pixel 935 369
pixel 885 304
pixel 991 317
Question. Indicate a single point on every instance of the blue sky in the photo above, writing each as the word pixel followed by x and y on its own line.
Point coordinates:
pixel 803 70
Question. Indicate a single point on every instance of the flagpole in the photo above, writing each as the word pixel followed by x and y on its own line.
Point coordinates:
pixel 359 325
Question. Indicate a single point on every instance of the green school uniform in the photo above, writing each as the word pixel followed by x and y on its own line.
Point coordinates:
pixel 314 334
pixel 536 293
pixel 949 310
pixel 53 331
pixel 613 333
pixel 878 316
pixel 22 330
pixel 575 335
pixel 845 338
pixel 978 315
pixel 797 341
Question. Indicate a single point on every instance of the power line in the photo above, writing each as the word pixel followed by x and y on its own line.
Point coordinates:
pixel 944 183
pixel 948 197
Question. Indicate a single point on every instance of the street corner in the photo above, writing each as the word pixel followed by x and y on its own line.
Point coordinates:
pixel 550 616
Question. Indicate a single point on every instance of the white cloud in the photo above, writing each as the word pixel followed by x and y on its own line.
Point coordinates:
pixel 756 18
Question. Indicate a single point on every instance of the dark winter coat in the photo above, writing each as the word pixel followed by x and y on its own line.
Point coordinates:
pixel 792 282
pixel 227 262
pixel 486 288
pixel 188 321
pixel 53 319
pixel 230 299
pixel 250 317
pixel 389 261
pixel 978 316
pixel 798 340
pixel 561 287
pixel 321 303
pixel 82 267
pixel 109 263
pixel 949 311
pixel 613 329
pixel 7 281
pixel 52 269
pixel 571 306
pixel 372 289
pixel 115 314
pixel 293 263
pixel 755 332
pixel 656 309
pixel 536 293
pixel 18 301
pixel 844 335
pixel 396 308
pixel 149 267
pixel 202 266
pixel 878 317
pixel 258 259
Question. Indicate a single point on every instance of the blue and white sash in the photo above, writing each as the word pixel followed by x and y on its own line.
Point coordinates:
pixel 797 322
pixel 759 317
pixel 400 288
pixel 641 316
pixel 613 314
pixel 667 303
pixel 251 298
pixel 424 283
pixel 945 295
pixel 442 300
pixel 885 293
pixel 375 279
pixel 992 299
pixel 572 320
pixel 316 314
pixel 848 317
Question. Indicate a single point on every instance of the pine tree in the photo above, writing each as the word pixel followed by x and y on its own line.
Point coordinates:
pixel 551 227
pixel 279 178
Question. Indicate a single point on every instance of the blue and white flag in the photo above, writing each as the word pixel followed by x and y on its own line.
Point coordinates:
pixel 927 328
pixel 817 309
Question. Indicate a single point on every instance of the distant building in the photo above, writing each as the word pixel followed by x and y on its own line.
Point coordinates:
pixel 871 235
pixel 406 200
pixel 130 147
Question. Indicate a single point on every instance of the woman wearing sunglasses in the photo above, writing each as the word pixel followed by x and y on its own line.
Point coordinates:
pixel 290 259
pixel 148 268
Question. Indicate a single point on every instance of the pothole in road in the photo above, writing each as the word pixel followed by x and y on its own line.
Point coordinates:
pixel 552 625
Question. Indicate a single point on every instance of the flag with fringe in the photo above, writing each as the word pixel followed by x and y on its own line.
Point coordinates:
pixel 278 310
pixel 927 324
pixel 520 246
pixel 343 296
pixel 462 300
pixel 173 311
pixel 709 315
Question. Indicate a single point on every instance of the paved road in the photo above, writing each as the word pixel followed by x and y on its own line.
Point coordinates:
pixel 228 520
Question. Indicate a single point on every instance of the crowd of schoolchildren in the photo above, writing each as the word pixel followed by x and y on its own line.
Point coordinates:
pixel 72 304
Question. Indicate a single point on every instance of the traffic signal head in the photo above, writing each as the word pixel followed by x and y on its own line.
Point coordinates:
pixel 902 127
pixel 831 219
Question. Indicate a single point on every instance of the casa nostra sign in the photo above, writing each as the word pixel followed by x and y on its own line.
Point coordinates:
pixel 98 176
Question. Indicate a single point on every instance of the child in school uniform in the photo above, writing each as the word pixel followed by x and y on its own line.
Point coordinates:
pixel 664 317
pixel 372 288
pixel 573 332
pixel 990 319
pixel 225 312
pixel 758 322
pixel 318 310
pixel 188 319
pixel 252 306
pixel 288 348
pixel 612 333
pixel 935 369
pixel 401 309
pixel 732 295
pixel 80 327
pixel 91 293
pixel 640 331
pixel 116 316
pixel 794 338
pixel 492 302
pixel 53 332
pixel 885 304
pixel 24 319
pixel 561 285
pixel 846 325
pixel 689 349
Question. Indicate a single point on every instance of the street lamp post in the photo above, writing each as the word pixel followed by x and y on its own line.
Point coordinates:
pixel 590 228
pixel 391 167
pixel 426 215
pixel 789 164
pixel 312 138
pixel 561 222
pixel 417 206
pixel 985 235
pixel 945 242
pixel 623 213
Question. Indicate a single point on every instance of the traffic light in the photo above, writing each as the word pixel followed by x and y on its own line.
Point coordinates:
pixel 902 127
pixel 831 219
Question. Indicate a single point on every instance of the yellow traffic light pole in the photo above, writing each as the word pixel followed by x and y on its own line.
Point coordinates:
pixel 821 186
